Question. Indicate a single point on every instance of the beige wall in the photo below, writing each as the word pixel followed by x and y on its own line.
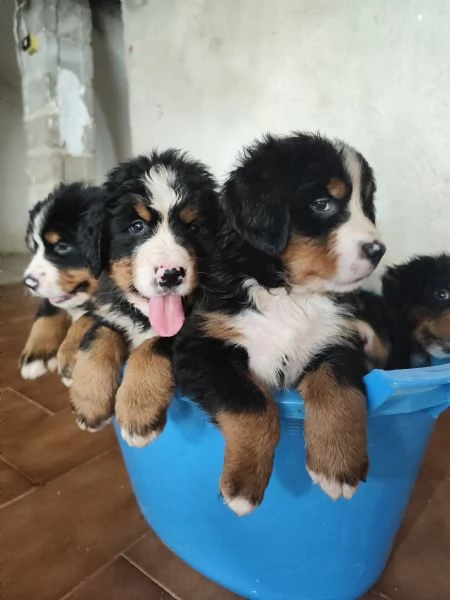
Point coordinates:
pixel 209 76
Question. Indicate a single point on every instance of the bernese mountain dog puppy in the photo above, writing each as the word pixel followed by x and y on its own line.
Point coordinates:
pixel 300 231
pixel 409 324
pixel 62 272
pixel 160 222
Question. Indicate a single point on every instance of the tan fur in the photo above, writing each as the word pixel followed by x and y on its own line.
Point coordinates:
pixel 146 391
pixel 46 336
pixel 69 279
pixel 96 378
pixel 142 210
pixel 217 326
pixel 122 273
pixel 52 237
pixel 307 259
pixel 335 427
pixel 251 440
pixel 188 215
pixel 337 188
pixel 68 350
pixel 428 326
pixel 377 350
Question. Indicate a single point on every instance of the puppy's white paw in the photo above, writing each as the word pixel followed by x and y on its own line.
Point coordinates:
pixel 333 488
pixel 239 505
pixel 67 381
pixel 136 440
pixel 33 369
pixel 52 364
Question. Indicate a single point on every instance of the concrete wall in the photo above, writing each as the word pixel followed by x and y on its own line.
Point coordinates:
pixel 13 186
pixel 209 76
pixel 113 138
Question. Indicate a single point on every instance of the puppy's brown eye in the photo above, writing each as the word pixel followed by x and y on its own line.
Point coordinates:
pixel 323 205
pixel 62 248
pixel 194 227
pixel 442 295
pixel 137 227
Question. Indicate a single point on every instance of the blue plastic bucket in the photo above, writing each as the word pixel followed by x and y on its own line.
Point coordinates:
pixel 299 545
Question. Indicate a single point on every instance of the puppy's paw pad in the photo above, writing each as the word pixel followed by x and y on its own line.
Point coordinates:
pixel 136 440
pixel 33 369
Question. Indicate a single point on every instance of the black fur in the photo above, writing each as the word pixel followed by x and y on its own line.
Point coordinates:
pixel 267 199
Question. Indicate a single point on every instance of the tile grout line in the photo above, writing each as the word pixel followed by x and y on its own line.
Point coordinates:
pixel 37 404
pixel 18 470
pixel 103 567
pixel 17 498
pixel 158 583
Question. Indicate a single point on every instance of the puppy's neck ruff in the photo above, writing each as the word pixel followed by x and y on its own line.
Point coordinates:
pixel 285 328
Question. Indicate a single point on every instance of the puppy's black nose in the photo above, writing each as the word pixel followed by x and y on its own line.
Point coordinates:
pixel 172 277
pixel 31 282
pixel 374 251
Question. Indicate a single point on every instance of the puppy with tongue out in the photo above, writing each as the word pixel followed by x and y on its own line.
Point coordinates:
pixel 166 312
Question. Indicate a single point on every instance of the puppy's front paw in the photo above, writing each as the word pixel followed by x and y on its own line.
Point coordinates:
pixel 92 393
pixel 66 359
pixel 242 497
pixel 33 366
pixel 339 471
pixel 140 416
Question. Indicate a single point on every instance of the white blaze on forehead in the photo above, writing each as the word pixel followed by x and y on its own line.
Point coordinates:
pixel 159 182
pixel 357 230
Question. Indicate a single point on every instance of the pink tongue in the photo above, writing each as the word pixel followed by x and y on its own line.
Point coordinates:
pixel 166 315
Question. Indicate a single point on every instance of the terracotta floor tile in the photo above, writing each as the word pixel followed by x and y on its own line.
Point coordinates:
pixel 119 581
pixel 12 484
pixel 47 391
pixel 67 530
pixel 172 573
pixel 419 566
pixel 47 446
pixel 437 458
pixel 18 414
pixel 16 302
pixel 12 341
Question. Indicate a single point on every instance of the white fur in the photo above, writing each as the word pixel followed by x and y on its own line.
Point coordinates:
pixel 241 506
pixel 34 369
pixel 332 487
pixel 82 425
pixel 161 250
pixel 352 265
pixel 435 349
pixel 159 183
pixel 138 441
pixel 287 331
pixel 67 381
pixel 52 364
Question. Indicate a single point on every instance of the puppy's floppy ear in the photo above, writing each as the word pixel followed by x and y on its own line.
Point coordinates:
pixel 259 217
pixel 92 230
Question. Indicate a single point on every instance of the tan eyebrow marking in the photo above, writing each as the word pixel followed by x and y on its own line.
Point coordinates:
pixel 188 214
pixel 52 237
pixel 142 210
pixel 337 188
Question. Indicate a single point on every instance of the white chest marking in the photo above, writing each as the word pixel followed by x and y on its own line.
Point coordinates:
pixel 288 331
